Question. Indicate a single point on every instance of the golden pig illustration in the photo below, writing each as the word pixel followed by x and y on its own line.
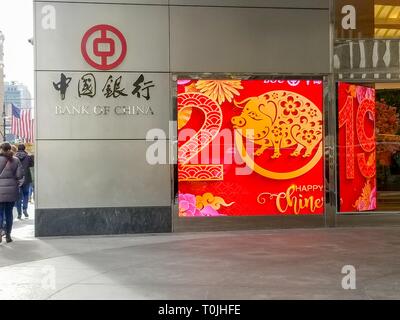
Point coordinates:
pixel 280 119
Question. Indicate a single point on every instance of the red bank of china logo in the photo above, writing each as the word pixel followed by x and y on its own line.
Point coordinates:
pixel 103 47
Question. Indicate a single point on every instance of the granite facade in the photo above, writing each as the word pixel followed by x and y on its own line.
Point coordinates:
pixel 102 221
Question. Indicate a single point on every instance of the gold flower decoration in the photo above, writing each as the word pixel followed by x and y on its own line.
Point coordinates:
pixel 219 90
pixel 309 135
pixel 352 91
pixel 191 88
pixel 291 106
pixel 184 116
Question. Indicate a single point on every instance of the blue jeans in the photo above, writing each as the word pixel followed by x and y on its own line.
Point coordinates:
pixel 31 191
pixel 23 199
pixel 6 214
pixel 2 220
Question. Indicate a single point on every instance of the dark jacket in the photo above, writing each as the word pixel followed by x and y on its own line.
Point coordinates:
pixel 11 176
pixel 26 162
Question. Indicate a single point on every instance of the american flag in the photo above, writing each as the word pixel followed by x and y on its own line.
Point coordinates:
pixel 22 123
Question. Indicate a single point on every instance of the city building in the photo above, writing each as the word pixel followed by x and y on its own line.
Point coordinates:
pixel 18 94
pixel 201 115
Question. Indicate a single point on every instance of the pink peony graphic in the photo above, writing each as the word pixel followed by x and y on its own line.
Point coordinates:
pixel 208 211
pixel 372 200
pixel 187 207
pixel 365 93
pixel 183 82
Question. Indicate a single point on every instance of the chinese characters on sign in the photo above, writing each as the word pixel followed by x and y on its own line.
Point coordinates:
pixel 112 87
pixel 62 85
pixel 100 88
pixel 146 88
pixel 87 85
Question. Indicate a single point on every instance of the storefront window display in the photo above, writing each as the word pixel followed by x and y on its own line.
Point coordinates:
pixel 388 147
pixel 250 147
pixel 369 148
pixel 357 148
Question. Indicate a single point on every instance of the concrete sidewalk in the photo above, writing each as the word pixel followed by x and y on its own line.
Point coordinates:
pixel 281 264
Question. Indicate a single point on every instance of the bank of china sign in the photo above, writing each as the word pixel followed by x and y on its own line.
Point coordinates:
pixel 100 93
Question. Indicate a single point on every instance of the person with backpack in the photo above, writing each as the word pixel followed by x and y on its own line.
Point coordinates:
pixel 11 178
pixel 27 163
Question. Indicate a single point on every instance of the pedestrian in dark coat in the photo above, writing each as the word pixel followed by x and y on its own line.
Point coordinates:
pixel 11 177
pixel 26 162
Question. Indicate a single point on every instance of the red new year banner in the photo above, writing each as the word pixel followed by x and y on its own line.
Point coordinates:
pixel 251 147
pixel 357 148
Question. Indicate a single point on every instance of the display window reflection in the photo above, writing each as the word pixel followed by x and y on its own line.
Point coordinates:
pixel 368 147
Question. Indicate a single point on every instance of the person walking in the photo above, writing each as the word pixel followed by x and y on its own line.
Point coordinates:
pixel 14 150
pixel 27 163
pixel 11 177
pixel 32 190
